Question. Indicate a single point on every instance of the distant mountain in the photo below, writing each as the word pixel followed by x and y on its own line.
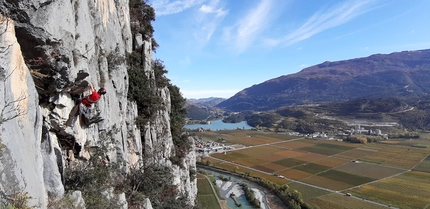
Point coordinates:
pixel 396 75
pixel 195 112
pixel 207 102
pixel 202 109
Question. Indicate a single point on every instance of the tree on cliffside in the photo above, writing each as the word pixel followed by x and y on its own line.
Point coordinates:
pixel 141 16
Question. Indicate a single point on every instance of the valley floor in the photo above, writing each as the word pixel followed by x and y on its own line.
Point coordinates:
pixel 332 174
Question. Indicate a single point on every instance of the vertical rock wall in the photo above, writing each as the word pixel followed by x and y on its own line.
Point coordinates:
pixel 21 163
pixel 67 43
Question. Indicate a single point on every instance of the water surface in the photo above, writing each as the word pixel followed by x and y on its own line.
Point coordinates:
pixel 219 125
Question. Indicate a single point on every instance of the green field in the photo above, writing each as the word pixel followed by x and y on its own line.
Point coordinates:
pixel 205 196
pixel 312 168
pixel 423 166
pixel 308 192
pixel 346 177
pixel 289 162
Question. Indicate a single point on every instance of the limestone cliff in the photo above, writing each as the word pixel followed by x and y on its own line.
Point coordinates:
pixel 49 52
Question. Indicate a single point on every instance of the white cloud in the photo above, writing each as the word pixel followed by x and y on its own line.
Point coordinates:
pixel 323 20
pixel 211 15
pixel 246 30
pixel 167 7
pixel 208 93
pixel 208 9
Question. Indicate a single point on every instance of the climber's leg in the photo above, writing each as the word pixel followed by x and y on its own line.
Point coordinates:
pixel 72 115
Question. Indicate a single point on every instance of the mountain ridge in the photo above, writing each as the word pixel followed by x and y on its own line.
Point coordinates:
pixel 398 74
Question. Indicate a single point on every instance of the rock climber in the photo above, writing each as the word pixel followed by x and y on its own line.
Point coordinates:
pixel 86 103
pixel 93 97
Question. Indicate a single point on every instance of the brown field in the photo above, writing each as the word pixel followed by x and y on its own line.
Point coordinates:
pixel 272 157
pixel 397 156
pixel 290 153
pixel 256 140
pixel 331 161
pixel 310 157
pixel 229 156
pixel 269 167
pixel 256 152
pixel 357 153
pixel 341 201
pixel 294 144
pixel 369 170
pixel 326 183
pixel 406 191
pixel 246 137
pixel 294 174
pixel 249 161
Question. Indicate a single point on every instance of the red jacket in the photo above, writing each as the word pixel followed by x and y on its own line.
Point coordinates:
pixel 93 98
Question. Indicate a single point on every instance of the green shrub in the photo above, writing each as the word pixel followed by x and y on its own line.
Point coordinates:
pixel 154 181
pixel 92 178
pixel 141 90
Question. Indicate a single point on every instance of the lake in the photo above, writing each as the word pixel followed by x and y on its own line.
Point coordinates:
pixel 219 125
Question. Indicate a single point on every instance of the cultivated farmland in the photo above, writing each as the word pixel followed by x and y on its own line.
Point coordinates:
pixel 409 190
pixel 335 201
pixel 205 195
pixel 378 172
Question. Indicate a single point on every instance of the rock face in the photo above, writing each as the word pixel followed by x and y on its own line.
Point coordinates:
pixel 49 52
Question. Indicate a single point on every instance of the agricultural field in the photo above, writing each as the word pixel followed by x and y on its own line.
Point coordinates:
pixel 256 173
pixel 409 190
pixel 326 149
pixel 337 201
pixel 423 166
pixel 369 170
pixel 205 196
pixel 396 156
pixel 244 137
pixel 379 172
pixel 308 192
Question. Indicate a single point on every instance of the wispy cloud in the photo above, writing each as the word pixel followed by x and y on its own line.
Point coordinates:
pixel 323 20
pixel 167 7
pixel 246 30
pixel 219 12
pixel 209 18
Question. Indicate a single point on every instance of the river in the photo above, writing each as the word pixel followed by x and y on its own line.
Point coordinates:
pixel 217 125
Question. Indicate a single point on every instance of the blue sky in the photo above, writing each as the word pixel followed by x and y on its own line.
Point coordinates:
pixel 216 48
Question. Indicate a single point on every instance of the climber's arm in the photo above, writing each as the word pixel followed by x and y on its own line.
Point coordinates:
pixel 92 87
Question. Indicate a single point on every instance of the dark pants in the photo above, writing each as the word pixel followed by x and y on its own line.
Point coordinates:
pixel 72 115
